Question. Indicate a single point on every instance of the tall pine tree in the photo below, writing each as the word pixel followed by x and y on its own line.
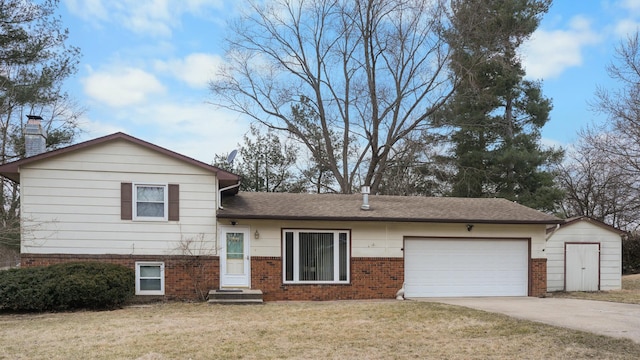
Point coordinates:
pixel 35 60
pixel 496 114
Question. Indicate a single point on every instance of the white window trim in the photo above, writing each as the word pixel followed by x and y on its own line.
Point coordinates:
pixel 296 260
pixel 149 292
pixel 134 198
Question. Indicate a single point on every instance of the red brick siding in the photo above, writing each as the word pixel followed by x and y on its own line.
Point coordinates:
pixel 371 278
pixel 186 278
pixel 538 279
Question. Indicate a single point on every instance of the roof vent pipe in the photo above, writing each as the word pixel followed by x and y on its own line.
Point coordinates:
pixel 365 197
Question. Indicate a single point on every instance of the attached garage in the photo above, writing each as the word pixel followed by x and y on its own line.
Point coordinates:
pixel 426 247
pixel 439 267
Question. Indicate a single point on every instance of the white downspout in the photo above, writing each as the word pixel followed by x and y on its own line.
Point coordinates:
pixel 549 235
pixel 220 194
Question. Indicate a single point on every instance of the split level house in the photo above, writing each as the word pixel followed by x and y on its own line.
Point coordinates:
pixel 184 227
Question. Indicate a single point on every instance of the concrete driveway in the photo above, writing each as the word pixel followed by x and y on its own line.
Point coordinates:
pixel 599 317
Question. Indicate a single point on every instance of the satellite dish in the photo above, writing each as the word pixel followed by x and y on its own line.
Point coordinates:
pixel 231 157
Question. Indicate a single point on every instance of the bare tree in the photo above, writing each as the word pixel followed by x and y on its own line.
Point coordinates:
pixel 612 150
pixel 417 167
pixel 367 73
pixel 617 142
pixel 596 187
pixel 194 254
pixel 618 139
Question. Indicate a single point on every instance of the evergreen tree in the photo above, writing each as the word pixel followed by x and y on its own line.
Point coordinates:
pixel 265 163
pixel 34 62
pixel 496 114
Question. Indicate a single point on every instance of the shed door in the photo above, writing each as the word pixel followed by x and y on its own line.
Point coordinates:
pixel 466 267
pixel 582 267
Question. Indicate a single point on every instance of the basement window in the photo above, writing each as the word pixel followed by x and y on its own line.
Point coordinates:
pixel 316 256
pixel 149 278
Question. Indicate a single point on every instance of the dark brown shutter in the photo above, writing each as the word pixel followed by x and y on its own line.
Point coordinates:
pixel 126 204
pixel 174 202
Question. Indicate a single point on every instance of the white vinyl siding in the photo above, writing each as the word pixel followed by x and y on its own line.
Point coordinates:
pixel 386 239
pixel 149 278
pixel 71 203
pixel 585 232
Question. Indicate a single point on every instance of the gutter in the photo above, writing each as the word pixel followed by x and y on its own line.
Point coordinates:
pixel 219 199
pixel 379 218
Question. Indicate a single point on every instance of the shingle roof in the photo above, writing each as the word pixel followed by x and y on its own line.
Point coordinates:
pixel 577 219
pixel 11 170
pixel 333 207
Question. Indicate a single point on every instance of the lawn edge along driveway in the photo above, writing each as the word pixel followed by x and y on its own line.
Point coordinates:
pixel 598 317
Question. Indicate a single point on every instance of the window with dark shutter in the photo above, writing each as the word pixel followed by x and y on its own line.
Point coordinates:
pixel 174 202
pixel 126 201
pixel 149 202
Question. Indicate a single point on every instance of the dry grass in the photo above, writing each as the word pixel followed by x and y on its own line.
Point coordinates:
pixel 302 330
pixel 629 294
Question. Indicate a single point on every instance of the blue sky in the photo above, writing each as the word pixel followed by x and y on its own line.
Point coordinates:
pixel 146 64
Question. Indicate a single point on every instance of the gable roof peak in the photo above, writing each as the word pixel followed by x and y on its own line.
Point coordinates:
pixel 11 170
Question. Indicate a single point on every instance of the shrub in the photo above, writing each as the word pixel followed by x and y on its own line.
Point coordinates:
pixel 631 254
pixel 86 285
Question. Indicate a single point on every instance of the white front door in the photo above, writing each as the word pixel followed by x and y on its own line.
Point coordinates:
pixel 235 259
pixel 582 267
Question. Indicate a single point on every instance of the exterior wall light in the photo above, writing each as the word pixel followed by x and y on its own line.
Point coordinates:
pixel 256 235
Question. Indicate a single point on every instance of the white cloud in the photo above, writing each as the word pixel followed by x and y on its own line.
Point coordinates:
pixel 626 27
pixel 632 6
pixel 199 130
pixel 194 129
pixel 195 69
pixel 549 53
pixel 87 9
pixel 93 128
pixel 631 21
pixel 552 143
pixel 120 87
pixel 148 17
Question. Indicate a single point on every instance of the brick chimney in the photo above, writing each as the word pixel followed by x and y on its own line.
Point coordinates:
pixel 35 138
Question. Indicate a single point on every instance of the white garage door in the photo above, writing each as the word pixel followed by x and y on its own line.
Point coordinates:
pixel 466 267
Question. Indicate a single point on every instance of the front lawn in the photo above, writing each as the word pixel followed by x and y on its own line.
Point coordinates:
pixel 301 330
pixel 629 294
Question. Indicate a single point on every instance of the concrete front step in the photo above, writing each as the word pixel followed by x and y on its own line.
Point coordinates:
pixel 235 296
